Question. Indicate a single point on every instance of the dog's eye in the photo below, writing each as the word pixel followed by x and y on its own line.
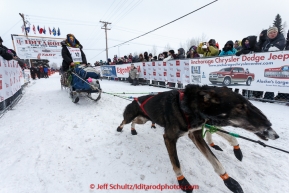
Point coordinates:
pixel 241 107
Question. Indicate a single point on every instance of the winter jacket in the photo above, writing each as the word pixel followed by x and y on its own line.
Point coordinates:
pixel 253 46
pixel 227 51
pixel 275 44
pixel 67 59
pixel 262 39
pixel 133 73
pixel 194 54
pixel 7 54
pixel 181 55
pixel 168 58
pixel 211 51
pixel 45 69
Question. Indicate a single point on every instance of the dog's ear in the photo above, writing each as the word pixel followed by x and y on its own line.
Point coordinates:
pixel 209 96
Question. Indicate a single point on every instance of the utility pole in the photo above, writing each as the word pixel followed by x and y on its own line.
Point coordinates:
pixel 105 23
pixel 24 23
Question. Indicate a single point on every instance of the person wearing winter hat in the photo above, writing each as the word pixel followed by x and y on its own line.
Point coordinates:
pixel 228 49
pixel 72 53
pixel 208 48
pixel 3 49
pixel 146 57
pixel 181 54
pixel 193 52
pixel 160 57
pixel 262 38
pixel 150 57
pixel 171 56
pixel 249 45
pixel 9 54
pixel 275 41
pixel 238 45
pixel 133 75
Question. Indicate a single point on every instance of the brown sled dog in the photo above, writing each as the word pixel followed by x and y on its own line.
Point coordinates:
pixel 185 112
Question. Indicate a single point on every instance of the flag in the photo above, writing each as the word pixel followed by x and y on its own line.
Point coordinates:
pixel 54 31
pixel 33 28
pixel 44 31
pixel 38 28
pixel 58 32
pixel 49 30
pixel 27 29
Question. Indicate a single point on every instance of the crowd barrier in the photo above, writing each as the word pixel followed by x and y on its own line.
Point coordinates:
pixel 11 83
pixel 266 72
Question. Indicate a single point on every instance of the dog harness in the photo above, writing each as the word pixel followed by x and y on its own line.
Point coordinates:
pixel 141 105
pixel 181 97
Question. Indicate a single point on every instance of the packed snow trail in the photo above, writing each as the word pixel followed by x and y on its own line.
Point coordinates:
pixel 50 145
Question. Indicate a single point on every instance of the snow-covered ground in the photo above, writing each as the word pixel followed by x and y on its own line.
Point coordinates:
pixel 49 144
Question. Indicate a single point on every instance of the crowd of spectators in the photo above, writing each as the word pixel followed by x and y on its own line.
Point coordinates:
pixel 269 40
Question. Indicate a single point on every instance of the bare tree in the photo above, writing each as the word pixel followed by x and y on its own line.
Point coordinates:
pixel 168 47
pixel 195 41
pixel 154 50
pixel 135 54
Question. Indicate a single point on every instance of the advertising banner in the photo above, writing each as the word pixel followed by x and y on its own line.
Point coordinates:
pixel 122 71
pixel 108 71
pixel 155 73
pixel 33 47
pixel 11 78
pixel 260 72
pixel 185 75
pixel 172 71
pixel 145 71
pixel 160 71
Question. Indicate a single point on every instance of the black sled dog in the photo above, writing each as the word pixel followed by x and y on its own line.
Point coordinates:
pixel 184 112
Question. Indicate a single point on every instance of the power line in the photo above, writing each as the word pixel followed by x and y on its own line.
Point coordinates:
pixel 167 23
pixel 114 9
pixel 11 28
pixel 129 10
pixel 57 19
pixel 118 10
pixel 108 9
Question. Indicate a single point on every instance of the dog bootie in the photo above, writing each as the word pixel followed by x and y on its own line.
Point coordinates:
pixel 185 185
pixel 232 184
pixel 133 132
pixel 238 152
pixel 119 129
pixel 216 147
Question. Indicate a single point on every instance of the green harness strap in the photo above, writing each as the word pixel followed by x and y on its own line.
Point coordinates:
pixel 212 129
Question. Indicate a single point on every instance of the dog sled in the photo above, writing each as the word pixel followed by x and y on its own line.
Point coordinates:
pixel 81 80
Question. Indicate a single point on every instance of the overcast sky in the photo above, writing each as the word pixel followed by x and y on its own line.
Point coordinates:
pixel 223 20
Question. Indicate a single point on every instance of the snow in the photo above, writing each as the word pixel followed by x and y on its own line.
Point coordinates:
pixel 49 144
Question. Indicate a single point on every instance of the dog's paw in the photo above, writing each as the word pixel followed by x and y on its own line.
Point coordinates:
pixel 185 185
pixel 216 147
pixel 119 129
pixel 233 185
pixel 133 132
pixel 238 154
